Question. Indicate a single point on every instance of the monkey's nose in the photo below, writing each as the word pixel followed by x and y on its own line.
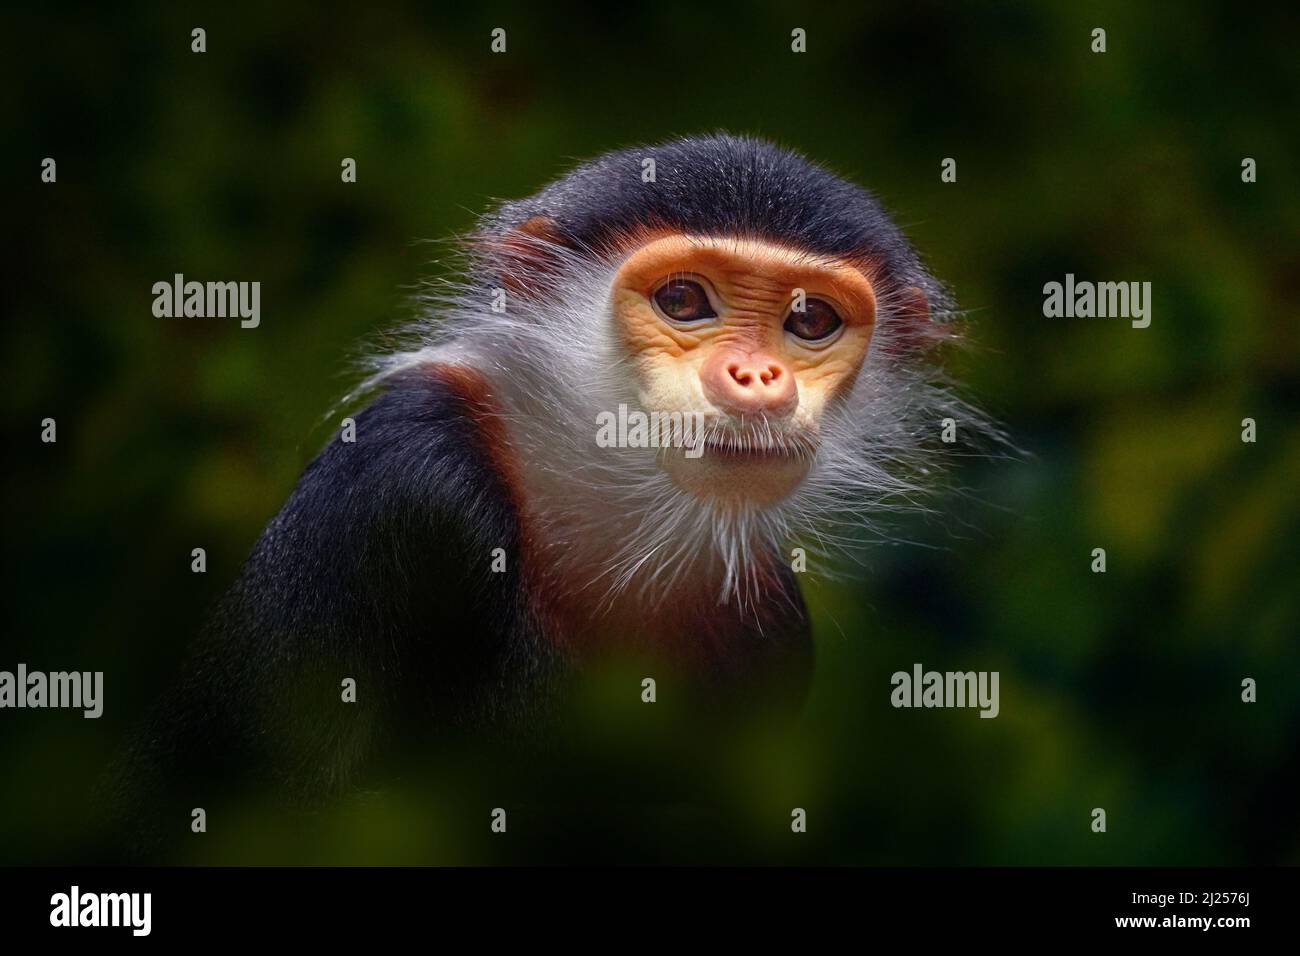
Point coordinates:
pixel 748 384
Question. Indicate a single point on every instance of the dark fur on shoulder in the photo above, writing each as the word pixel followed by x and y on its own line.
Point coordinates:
pixel 376 569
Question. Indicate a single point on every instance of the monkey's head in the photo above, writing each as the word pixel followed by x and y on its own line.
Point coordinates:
pixel 755 334
pixel 753 340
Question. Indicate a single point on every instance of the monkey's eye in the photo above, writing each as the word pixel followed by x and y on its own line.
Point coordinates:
pixel 817 322
pixel 683 300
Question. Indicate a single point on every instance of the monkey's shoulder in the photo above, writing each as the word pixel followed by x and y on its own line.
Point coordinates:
pixel 425 454
pixel 402 513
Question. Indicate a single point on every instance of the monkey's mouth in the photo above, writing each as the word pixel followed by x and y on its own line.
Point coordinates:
pixel 756 448
pixel 758 444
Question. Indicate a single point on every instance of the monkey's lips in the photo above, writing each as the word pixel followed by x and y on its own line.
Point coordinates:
pixel 759 443
pixel 744 448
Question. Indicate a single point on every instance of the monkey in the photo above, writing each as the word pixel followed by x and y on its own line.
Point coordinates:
pixel 473 544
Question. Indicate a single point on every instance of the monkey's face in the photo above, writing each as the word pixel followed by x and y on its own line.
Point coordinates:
pixel 755 340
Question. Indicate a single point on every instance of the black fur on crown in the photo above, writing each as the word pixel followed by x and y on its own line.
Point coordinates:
pixel 719 185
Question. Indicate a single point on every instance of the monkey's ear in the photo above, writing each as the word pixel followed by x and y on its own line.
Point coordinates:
pixel 529 256
pixel 914 329
pixel 916 304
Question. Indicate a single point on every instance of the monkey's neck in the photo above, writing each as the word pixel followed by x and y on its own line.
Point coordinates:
pixel 601 567
pixel 574 552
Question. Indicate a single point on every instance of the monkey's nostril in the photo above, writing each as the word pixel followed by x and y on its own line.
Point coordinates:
pixel 749 384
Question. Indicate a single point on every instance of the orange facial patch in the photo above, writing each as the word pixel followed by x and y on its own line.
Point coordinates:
pixel 753 287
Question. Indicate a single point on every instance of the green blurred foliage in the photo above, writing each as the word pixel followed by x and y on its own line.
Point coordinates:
pixel 1118 690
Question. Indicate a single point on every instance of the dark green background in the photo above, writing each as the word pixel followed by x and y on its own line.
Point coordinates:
pixel 1118 691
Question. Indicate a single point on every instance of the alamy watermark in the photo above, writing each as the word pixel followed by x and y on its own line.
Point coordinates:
pixel 75 909
pixel 922 688
pixel 633 428
pixel 1085 300
pixel 78 690
pixel 209 300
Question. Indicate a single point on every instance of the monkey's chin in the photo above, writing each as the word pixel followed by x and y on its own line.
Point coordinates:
pixel 743 478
